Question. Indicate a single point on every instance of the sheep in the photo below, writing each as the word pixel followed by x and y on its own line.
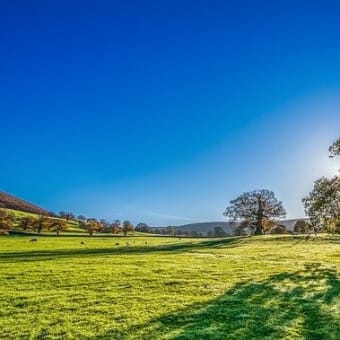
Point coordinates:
pixel 32 240
pixel 83 242
pixel 117 244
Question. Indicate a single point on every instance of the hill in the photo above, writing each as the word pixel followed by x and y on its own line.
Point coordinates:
pixel 10 202
pixel 205 227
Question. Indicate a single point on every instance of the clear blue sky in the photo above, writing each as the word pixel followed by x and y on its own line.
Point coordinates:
pixel 163 111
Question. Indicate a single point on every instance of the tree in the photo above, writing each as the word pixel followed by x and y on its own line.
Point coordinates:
pixel 7 220
pixel 219 232
pixel 27 223
pixel 58 225
pixel 81 220
pixel 194 233
pixel 127 226
pixel 115 227
pixel 106 226
pixel 62 214
pixel 52 214
pixel 93 226
pixel 142 227
pixel 322 204
pixel 278 229
pixel 66 215
pixel 240 229
pixel 255 209
pixel 300 227
pixel 210 233
pixel 170 230
pixel 186 232
pixel 334 149
pixel 41 223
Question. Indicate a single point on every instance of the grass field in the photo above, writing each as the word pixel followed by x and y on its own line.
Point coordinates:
pixel 238 288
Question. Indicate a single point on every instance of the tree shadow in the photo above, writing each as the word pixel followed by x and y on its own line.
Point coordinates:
pixel 38 255
pixel 300 304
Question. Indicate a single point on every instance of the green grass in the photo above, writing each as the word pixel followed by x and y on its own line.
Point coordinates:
pixel 238 288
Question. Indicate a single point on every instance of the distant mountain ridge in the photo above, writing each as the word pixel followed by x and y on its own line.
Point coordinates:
pixel 10 202
pixel 205 227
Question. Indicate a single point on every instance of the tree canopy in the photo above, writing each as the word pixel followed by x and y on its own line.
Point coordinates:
pixel 255 209
pixel 334 149
pixel 7 220
pixel 322 204
pixel 127 226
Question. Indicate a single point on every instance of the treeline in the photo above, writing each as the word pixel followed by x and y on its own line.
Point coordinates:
pixel 173 231
pixel 9 220
pixel 61 222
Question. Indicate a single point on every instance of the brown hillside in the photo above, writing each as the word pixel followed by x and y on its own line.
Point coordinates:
pixel 10 202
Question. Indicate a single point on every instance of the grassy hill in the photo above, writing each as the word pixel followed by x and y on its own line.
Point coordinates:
pixel 265 287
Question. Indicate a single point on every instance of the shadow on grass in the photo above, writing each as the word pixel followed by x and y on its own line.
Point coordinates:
pixel 299 304
pixel 38 255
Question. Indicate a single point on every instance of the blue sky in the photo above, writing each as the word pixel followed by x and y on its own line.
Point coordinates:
pixel 164 111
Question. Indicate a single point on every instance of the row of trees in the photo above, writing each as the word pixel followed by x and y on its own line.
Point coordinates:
pixel 93 225
pixel 29 223
pixel 61 223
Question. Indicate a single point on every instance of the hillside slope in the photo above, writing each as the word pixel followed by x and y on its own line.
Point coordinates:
pixel 10 202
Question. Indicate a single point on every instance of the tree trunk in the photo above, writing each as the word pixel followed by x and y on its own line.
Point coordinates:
pixel 259 219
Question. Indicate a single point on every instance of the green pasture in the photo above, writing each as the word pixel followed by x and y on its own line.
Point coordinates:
pixel 266 287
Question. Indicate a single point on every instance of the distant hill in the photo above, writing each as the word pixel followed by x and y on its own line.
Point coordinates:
pixel 205 227
pixel 10 202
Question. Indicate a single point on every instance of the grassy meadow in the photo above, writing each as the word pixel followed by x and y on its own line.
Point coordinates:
pixel 282 287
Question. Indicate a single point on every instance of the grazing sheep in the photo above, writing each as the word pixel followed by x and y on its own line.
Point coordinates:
pixel 32 240
pixel 83 242
pixel 117 244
